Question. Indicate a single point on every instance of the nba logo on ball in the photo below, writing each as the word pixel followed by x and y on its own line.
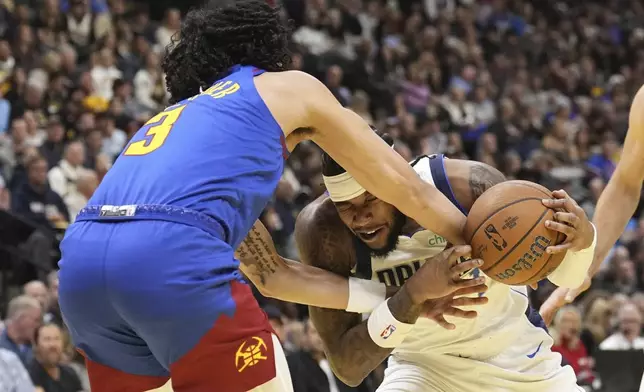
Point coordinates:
pixel 492 234
pixel 387 331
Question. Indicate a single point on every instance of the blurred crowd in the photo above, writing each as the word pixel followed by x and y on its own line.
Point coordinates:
pixel 539 89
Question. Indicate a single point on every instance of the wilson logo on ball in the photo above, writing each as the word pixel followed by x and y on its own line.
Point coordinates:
pixel 525 262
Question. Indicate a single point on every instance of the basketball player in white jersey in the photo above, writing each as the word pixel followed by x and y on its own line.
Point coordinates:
pixel 505 348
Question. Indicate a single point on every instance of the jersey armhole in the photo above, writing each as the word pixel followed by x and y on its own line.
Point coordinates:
pixel 437 167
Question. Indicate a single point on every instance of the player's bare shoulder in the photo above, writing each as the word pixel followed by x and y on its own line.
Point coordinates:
pixel 287 95
pixel 322 239
pixel 469 179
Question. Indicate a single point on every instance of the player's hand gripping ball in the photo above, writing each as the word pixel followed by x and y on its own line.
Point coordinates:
pixel 520 236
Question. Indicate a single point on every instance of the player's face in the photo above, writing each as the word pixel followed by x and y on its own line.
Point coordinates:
pixel 376 223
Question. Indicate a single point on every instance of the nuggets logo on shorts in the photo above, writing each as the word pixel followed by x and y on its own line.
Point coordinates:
pixel 249 355
pixel 387 331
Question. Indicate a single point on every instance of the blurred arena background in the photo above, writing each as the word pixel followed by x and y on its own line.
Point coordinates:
pixel 539 89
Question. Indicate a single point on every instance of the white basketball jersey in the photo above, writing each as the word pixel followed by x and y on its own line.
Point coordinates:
pixel 500 335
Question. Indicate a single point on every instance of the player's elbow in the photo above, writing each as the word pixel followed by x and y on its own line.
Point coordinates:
pixel 269 283
pixel 349 373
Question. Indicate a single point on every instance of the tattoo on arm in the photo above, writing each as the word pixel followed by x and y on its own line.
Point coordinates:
pixel 483 177
pixel 325 242
pixel 257 254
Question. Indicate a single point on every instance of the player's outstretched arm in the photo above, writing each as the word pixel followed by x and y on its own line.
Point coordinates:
pixel 349 140
pixel 291 281
pixel 355 347
pixel 623 190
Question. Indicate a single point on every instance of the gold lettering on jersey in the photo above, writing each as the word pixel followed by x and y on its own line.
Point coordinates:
pixel 525 262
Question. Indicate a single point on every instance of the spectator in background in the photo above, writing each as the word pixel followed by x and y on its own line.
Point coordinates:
pixel 149 83
pixel 104 73
pixel 84 27
pixel 5 196
pixel 114 139
pixel 24 316
pixel 85 186
pixel 36 201
pixel 310 370
pixel 46 368
pixel 629 328
pixel 603 164
pixel 171 25
pixel 597 324
pixel 64 176
pixel 567 332
pixel 275 318
pixel 38 291
pixel 13 375
pixel 333 81
pixel 52 311
pixel 52 147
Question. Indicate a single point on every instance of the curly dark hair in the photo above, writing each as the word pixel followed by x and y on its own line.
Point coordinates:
pixel 221 34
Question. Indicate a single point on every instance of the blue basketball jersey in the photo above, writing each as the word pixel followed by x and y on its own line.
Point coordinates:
pixel 220 153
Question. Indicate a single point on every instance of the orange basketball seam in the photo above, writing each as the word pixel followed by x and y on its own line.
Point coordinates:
pixel 517 242
pixel 533 187
pixel 497 211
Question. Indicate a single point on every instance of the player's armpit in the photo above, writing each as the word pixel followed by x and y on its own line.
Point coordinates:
pixel 349 140
pixel 288 280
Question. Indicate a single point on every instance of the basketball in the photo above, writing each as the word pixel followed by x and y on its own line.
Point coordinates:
pixel 506 228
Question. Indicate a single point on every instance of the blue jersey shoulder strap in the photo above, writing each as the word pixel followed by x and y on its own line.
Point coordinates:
pixel 437 166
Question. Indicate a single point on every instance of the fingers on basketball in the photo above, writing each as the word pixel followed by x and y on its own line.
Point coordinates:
pixel 462 267
pixel 457 252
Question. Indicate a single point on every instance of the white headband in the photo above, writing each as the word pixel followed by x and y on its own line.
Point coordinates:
pixel 343 187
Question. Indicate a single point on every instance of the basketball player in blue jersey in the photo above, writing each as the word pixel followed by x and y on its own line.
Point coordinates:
pixel 149 285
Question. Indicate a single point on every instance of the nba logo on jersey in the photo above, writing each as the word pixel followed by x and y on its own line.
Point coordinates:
pixel 114 211
pixel 387 331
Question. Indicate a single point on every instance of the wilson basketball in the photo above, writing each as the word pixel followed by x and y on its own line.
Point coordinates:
pixel 506 228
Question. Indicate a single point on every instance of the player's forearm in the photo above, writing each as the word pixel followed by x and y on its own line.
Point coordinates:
pixel 435 212
pixel 288 280
pixel 615 208
pixel 308 285
pixel 354 355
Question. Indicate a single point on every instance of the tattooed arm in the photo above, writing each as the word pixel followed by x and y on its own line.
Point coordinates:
pixel 288 280
pixel 325 242
pixel 469 179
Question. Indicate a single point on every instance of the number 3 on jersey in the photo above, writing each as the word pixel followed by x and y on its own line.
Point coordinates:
pixel 159 128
